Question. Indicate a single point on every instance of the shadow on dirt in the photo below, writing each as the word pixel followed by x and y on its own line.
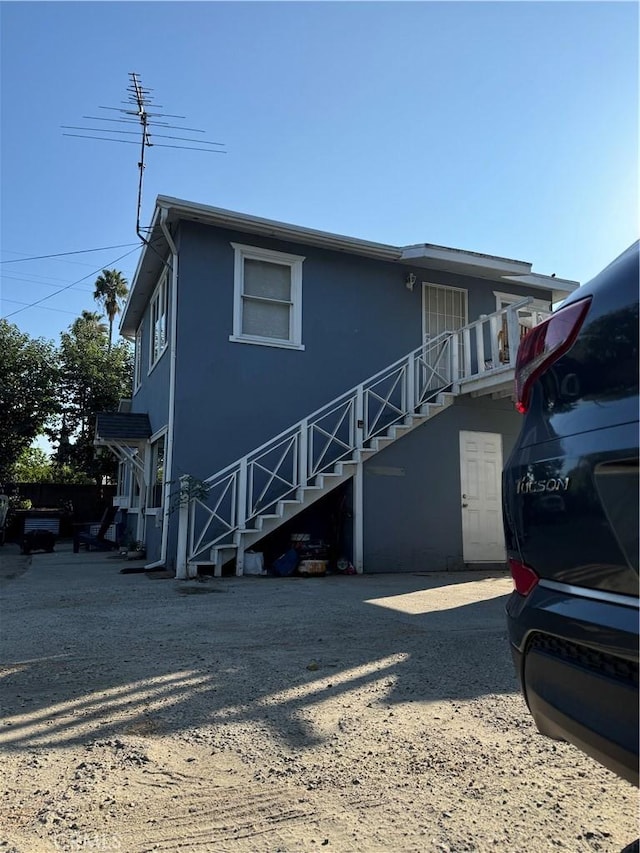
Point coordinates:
pixel 89 653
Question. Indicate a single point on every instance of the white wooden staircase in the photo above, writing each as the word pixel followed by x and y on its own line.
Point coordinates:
pixel 252 497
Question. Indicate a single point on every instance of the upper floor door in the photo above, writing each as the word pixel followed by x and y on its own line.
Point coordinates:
pixel 444 309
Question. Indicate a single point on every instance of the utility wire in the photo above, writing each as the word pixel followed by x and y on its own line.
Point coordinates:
pixel 63 254
pixel 44 307
pixel 69 261
pixel 68 286
pixel 51 283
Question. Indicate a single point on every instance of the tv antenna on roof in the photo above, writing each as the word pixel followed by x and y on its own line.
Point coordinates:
pixel 136 112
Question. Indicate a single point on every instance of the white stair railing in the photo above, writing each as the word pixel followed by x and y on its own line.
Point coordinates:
pixel 293 460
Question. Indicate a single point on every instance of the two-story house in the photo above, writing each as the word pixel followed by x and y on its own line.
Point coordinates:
pixel 293 380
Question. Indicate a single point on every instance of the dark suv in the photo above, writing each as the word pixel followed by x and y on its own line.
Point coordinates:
pixel 570 502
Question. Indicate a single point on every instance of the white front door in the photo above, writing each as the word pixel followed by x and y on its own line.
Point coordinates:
pixel 481 497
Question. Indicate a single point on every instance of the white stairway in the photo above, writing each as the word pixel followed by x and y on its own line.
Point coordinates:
pixel 239 505
pixel 285 509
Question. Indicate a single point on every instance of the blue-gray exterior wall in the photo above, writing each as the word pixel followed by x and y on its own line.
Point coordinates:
pixel 231 397
pixel 357 318
pixel 412 502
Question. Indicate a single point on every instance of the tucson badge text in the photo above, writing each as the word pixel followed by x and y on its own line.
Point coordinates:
pixel 525 486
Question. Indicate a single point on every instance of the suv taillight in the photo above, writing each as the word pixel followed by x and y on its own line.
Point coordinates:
pixel 544 344
pixel 524 578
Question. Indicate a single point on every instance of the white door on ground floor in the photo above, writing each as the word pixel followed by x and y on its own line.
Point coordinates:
pixel 481 497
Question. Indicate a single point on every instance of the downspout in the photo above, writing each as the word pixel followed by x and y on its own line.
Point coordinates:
pixel 166 509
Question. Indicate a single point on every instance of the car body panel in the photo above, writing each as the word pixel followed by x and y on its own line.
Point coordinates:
pixel 553 492
pixel 570 502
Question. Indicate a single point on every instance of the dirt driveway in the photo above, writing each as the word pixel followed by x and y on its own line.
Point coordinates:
pixel 375 713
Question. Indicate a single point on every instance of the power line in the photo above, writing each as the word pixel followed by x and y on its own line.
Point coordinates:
pixel 44 307
pixel 52 283
pixel 63 254
pixel 68 286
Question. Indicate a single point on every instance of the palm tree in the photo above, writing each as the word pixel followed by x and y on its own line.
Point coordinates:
pixel 88 323
pixel 111 290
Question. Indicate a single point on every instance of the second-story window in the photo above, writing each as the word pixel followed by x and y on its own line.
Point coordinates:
pixel 159 317
pixel 267 297
pixel 137 366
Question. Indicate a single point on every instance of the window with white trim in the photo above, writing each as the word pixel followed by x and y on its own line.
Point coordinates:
pixel 159 313
pixel 267 306
pixel 156 482
pixel 529 315
pixel 137 364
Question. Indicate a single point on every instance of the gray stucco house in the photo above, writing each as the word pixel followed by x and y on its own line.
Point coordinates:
pixel 289 380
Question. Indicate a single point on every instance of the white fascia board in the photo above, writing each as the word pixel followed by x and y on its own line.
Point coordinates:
pixel 279 230
pixel 544 282
pixel 486 263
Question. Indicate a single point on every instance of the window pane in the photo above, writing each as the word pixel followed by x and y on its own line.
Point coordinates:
pixel 265 319
pixel 165 297
pixel 262 278
pixel 138 359
pixel 157 467
pixel 159 460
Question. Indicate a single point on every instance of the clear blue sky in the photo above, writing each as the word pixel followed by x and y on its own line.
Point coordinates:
pixel 507 128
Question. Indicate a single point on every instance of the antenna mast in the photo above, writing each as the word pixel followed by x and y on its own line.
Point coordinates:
pixel 137 95
pixel 136 111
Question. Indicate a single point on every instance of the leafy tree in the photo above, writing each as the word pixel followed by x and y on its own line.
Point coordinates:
pixel 35 466
pixel 111 289
pixel 28 385
pixel 93 378
pixel 88 325
pixel 32 466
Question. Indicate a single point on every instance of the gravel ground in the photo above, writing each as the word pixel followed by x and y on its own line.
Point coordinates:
pixel 374 713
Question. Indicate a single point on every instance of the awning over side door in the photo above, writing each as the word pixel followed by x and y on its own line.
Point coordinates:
pixel 125 434
pixel 128 428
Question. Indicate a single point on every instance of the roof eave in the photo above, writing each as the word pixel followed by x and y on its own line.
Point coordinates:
pixel 427 256
pixel 438 257
pixel 278 230
pixel 562 286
